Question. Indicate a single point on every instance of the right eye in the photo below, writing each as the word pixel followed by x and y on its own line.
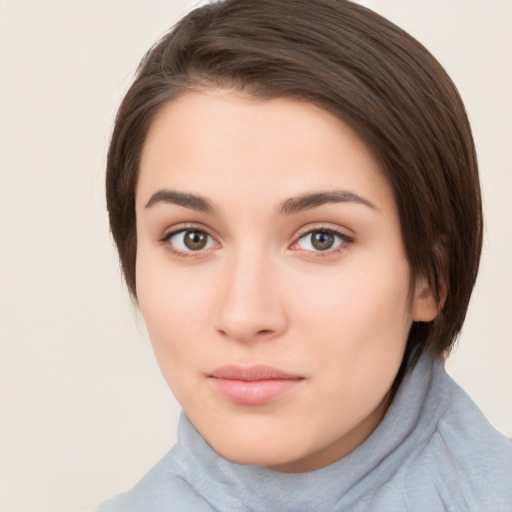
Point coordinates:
pixel 190 240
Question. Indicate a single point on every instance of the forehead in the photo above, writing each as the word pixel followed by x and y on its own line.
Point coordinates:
pixel 224 143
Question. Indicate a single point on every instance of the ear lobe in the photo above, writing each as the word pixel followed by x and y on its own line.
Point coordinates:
pixel 426 307
pixel 428 303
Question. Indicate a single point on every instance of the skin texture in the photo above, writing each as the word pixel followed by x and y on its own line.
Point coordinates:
pixel 259 292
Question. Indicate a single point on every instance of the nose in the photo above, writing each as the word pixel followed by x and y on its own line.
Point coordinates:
pixel 251 305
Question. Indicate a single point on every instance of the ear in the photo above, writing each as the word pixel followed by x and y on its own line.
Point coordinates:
pixel 426 307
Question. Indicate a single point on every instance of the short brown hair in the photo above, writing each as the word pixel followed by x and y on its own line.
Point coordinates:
pixel 363 69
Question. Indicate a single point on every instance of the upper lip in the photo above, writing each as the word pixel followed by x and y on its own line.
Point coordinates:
pixel 252 373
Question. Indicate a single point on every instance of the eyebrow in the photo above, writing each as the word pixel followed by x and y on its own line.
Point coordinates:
pixel 192 201
pixel 288 207
pixel 308 201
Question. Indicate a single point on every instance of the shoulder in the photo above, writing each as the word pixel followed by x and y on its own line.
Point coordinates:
pixel 466 463
pixel 162 489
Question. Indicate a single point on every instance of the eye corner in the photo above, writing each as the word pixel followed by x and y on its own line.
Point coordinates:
pixel 321 241
pixel 188 241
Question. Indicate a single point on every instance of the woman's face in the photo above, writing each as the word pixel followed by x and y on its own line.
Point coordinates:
pixel 272 276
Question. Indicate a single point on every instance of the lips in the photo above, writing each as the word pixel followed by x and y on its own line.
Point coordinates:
pixel 252 385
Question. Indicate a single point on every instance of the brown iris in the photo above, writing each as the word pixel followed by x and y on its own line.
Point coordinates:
pixel 322 240
pixel 195 240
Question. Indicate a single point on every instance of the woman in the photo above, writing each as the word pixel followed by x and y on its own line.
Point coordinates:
pixel 293 190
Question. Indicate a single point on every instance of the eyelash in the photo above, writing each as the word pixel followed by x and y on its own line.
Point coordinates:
pixel 184 229
pixel 345 241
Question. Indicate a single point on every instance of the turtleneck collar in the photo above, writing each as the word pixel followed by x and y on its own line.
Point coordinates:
pixel 408 423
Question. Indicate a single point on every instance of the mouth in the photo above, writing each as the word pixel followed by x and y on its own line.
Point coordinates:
pixel 252 385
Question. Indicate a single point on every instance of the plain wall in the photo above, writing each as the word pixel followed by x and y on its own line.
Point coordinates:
pixel 84 410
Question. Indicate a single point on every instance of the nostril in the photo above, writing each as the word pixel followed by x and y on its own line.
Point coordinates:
pixel 245 335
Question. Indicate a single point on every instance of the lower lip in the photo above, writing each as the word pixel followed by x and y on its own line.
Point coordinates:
pixel 253 392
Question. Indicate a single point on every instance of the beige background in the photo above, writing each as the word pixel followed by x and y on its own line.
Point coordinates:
pixel 84 411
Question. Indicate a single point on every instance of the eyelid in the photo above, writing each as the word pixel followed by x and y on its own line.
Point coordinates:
pixel 184 226
pixel 187 226
pixel 191 226
pixel 326 226
pixel 337 231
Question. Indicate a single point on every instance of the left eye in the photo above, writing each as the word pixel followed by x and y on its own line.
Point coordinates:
pixel 189 240
pixel 320 240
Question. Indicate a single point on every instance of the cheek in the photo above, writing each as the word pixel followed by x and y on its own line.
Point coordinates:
pixel 358 321
pixel 174 308
pixel 358 297
pixel 167 292
pixel 359 338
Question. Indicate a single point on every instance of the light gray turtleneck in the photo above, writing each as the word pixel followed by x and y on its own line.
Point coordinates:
pixel 433 451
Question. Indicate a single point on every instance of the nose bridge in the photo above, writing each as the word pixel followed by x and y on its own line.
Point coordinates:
pixel 250 306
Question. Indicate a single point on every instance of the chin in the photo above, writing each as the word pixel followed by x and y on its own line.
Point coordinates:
pixel 260 454
pixel 252 446
pixel 248 436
